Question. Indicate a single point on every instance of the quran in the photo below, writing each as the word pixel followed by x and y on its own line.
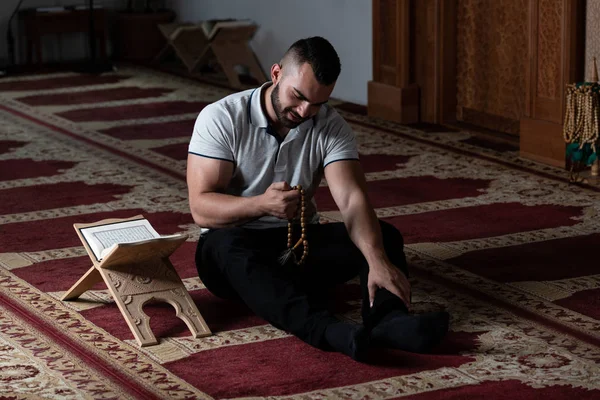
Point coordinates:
pixel 103 238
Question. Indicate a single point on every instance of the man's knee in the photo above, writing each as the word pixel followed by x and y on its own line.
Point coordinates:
pixel 393 242
pixel 212 258
pixel 391 234
pixel 220 244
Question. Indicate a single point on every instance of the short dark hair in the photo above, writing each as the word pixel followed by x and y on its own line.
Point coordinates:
pixel 321 56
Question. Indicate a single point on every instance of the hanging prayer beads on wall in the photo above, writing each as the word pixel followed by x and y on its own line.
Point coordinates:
pixel 580 128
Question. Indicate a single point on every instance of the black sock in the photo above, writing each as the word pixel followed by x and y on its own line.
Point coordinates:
pixel 417 333
pixel 393 314
pixel 349 339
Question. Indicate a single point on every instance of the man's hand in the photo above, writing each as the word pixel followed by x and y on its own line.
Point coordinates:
pixel 280 201
pixel 386 275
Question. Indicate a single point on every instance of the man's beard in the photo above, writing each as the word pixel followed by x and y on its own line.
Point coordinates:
pixel 280 111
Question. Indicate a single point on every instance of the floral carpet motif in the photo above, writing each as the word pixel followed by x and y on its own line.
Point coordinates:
pixel 504 244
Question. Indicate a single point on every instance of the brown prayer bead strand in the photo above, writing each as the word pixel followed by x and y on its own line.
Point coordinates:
pixel 289 240
pixel 303 240
pixel 303 227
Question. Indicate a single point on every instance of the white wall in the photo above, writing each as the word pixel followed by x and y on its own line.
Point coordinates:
pixel 347 24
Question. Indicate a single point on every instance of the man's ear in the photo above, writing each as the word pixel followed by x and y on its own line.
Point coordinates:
pixel 276 73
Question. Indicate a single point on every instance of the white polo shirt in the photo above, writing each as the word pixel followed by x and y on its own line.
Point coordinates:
pixel 236 129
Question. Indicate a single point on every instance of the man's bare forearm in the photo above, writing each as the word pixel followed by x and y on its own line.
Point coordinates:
pixel 218 210
pixel 364 229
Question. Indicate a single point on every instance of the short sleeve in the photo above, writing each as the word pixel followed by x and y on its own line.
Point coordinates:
pixel 212 135
pixel 340 141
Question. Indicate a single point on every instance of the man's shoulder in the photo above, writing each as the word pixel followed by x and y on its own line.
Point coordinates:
pixel 226 115
pixel 232 103
pixel 329 118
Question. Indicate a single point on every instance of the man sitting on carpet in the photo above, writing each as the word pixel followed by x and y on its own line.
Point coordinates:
pixel 246 152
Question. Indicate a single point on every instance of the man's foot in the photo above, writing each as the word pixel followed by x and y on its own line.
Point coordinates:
pixel 350 339
pixel 417 333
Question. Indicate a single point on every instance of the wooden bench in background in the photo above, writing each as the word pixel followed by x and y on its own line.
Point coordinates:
pixel 38 24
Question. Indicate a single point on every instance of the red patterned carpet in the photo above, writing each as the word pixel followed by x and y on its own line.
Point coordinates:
pixel 507 246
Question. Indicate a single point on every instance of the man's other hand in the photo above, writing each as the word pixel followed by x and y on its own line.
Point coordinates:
pixel 389 277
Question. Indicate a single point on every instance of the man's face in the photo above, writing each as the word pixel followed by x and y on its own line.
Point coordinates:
pixel 297 95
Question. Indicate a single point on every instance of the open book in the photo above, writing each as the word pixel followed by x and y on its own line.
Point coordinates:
pixel 103 238
pixel 212 26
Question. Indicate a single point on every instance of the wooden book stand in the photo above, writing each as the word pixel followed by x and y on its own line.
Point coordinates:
pixel 227 42
pixel 137 273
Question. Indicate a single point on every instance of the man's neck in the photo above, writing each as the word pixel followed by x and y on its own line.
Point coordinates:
pixel 269 110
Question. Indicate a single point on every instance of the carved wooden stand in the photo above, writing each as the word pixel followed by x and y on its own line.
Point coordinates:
pixel 229 47
pixel 135 274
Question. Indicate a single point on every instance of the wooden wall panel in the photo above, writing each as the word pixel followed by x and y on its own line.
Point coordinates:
pixel 424 55
pixel 492 55
pixel 415 66
pixel 391 95
pixel 556 35
pixel 549 40
pixel 434 58
pixel 387 43
pixel 592 36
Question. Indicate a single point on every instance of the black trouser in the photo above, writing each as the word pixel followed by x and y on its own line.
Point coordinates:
pixel 242 262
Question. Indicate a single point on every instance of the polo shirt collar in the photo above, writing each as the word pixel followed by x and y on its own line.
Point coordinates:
pixel 256 114
pixel 258 117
